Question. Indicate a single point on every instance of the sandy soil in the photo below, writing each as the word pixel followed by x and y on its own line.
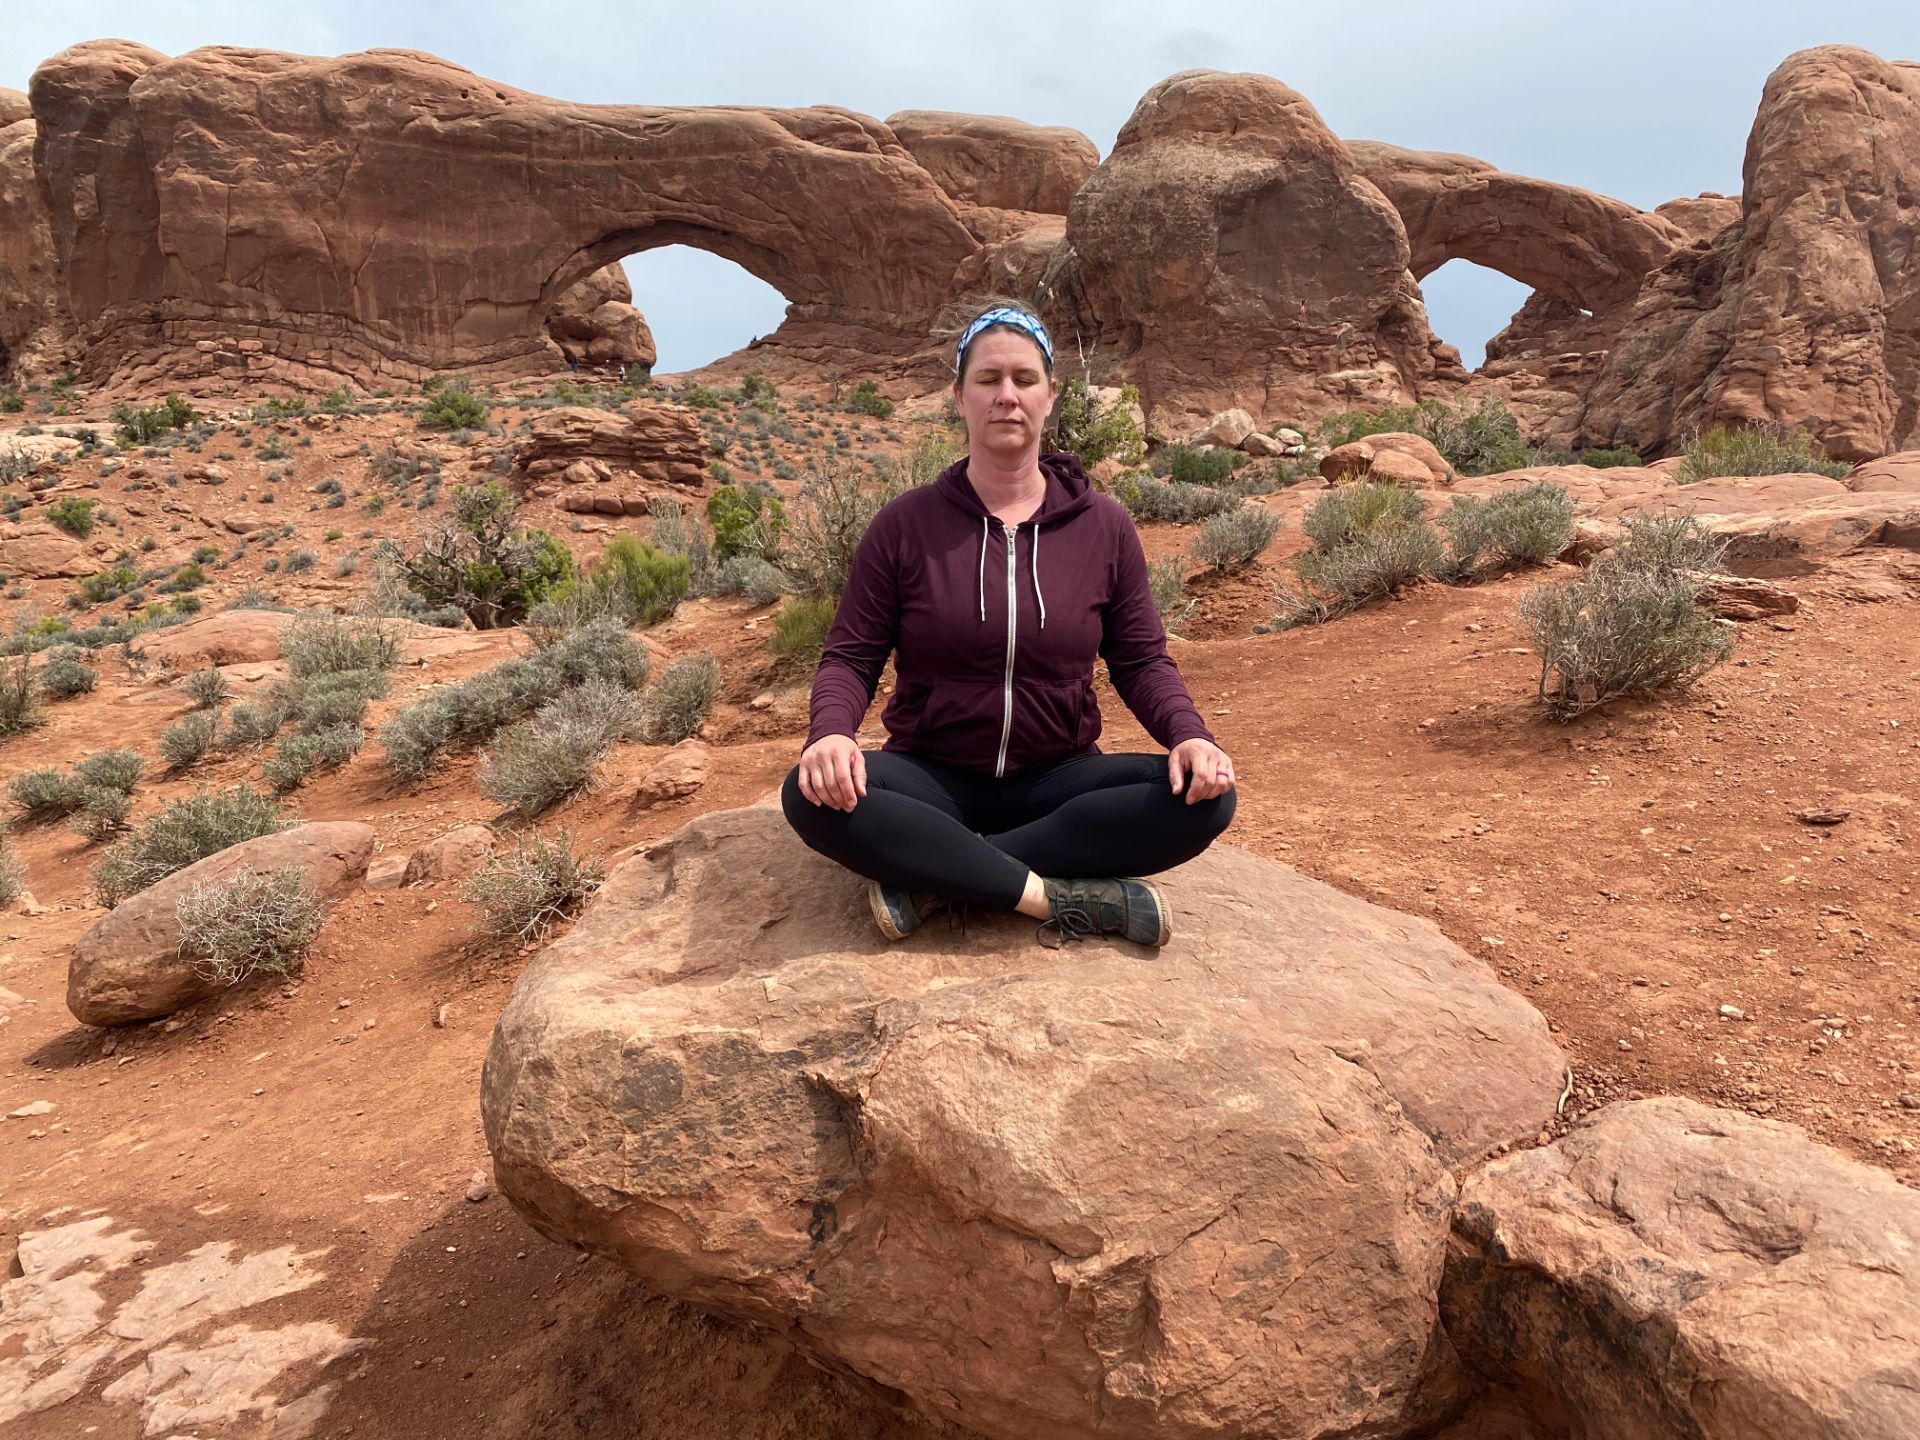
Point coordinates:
pixel 1640 876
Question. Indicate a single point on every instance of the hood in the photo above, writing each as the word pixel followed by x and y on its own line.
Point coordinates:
pixel 1069 491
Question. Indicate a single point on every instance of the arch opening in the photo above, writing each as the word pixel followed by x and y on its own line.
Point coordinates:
pixel 1468 304
pixel 700 305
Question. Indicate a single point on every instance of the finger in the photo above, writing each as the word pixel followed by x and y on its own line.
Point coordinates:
pixel 860 771
pixel 842 782
pixel 1174 771
pixel 806 786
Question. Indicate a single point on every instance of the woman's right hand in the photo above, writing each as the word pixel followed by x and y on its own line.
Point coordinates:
pixel 833 772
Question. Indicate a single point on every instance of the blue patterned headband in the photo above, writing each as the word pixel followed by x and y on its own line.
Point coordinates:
pixel 1004 315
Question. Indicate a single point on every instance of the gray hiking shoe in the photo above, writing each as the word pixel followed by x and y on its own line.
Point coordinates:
pixel 1132 909
pixel 897 913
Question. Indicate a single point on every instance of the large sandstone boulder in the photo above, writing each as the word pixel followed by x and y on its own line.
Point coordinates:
pixel 388 215
pixel 31 337
pixel 227 637
pixel 1394 457
pixel 594 322
pixel 1229 253
pixel 452 856
pixel 616 464
pixel 1807 311
pixel 1095 1191
pixel 37 551
pixel 996 161
pixel 1672 1270
pixel 128 967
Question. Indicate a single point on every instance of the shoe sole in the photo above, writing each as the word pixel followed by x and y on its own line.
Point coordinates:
pixel 882 916
pixel 1166 911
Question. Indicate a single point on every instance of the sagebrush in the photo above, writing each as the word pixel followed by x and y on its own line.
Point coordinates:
pixel 251 921
pixel 529 889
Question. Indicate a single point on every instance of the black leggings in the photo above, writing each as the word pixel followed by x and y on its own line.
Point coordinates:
pixel 924 826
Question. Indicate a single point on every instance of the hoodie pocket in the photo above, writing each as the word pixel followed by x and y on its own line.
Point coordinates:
pixel 960 723
pixel 1046 723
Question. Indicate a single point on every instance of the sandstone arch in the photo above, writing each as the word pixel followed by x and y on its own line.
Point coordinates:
pixel 388 214
pixel 1585 248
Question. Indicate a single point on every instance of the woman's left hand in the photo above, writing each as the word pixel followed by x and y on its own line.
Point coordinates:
pixel 1201 768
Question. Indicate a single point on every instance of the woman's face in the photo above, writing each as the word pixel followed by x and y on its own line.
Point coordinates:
pixel 1005 395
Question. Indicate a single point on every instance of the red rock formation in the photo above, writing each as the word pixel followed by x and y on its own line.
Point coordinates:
pixel 996 162
pixel 595 322
pixel 1807 310
pixel 596 461
pixel 389 215
pixel 1228 252
pixel 31 338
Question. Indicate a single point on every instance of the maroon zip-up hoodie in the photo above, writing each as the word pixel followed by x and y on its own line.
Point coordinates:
pixel 994 628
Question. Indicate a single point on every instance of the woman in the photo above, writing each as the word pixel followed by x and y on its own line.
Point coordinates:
pixel 990 790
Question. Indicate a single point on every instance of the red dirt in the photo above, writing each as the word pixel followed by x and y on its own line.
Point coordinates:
pixel 1631 874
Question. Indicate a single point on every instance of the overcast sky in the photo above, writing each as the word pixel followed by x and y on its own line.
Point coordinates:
pixel 1640 99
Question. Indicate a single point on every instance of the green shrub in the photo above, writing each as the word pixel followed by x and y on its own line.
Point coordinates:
pixel 249 922
pixel 189 741
pixel 20 708
pixel 208 689
pixel 800 628
pixel 1754 450
pixel 111 770
pixel 673 531
pixel 1193 465
pixel 643 584
pixel 1524 526
pixel 1167 577
pixel 1619 630
pixel 866 399
pixel 533 886
pixel 46 794
pixel 305 754
pixel 109 584
pixel 746 521
pixel 1370 540
pixel 319 642
pixel 1234 539
pixel 301 560
pixel 65 675
pixel 1083 426
pixel 13 874
pixel 480 561
pixel 203 824
pixel 453 406
pixel 1612 458
pixel 677 705
pixel 320 702
pixel 187 577
pixel 1148 499
pixel 536 764
pixel 150 422
pixel 73 515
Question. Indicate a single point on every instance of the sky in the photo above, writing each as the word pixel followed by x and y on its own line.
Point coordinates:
pixel 1644 100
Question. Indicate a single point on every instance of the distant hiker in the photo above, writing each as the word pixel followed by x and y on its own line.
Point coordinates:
pixel 990 790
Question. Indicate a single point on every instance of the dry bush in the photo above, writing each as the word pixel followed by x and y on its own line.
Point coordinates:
pixel 319 642
pixel 20 708
pixel 189 741
pixel 538 763
pixel 680 699
pixel 66 675
pixel 1525 526
pixel 1754 450
pixel 102 814
pixel 321 702
pixel 187 830
pixel 1149 499
pixel 750 576
pixel 254 723
pixel 208 689
pixel 830 515
pixel 1369 541
pixel 1234 539
pixel 1167 578
pixel 13 874
pixel 528 889
pixel 112 770
pixel 305 754
pixel 1629 625
pixel 250 921
pixel 39 796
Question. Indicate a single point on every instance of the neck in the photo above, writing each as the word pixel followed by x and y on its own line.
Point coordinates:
pixel 998 481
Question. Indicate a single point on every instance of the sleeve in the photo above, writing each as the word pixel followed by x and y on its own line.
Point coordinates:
pixel 1133 642
pixel 865 629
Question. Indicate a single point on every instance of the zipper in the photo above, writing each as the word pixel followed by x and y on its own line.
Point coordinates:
pixel 1006 725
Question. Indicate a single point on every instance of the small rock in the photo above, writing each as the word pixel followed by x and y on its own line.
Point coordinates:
pixel 480 1187
pixel 37 1107
pixel 1820 815
pixel 385 872
pixel 1733 1012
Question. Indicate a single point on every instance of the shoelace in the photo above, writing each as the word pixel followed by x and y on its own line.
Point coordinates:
pixel 1068 924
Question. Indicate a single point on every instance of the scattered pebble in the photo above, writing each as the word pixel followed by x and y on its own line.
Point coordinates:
pixel 37 1107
